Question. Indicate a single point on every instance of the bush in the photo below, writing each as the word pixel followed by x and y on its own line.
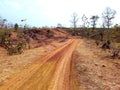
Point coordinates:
pixel 16 49
pixel 106 45
pixel 4 37
pixel 115 54
pixel 49 34
pixel 12 46
pixel 16 26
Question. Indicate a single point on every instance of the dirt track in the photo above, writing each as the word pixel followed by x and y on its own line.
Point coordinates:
pixel 51 72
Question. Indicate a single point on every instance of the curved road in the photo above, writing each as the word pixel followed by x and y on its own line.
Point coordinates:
pixel 51 72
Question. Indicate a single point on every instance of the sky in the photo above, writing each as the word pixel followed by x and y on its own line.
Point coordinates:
pixel 51 12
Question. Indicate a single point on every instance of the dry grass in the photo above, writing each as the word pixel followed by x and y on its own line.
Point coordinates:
pixel 10 65
pixel 95 70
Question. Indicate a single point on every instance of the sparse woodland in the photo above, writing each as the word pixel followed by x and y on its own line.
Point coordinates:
pixel 106 37
pixel 15 38
pixel 82 57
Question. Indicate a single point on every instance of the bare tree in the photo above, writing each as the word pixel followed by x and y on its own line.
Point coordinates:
pixel 94 21
pixel 4 23
pixel 74 21
pixel 59 25
pixel 108 15
pixel 10 25
pixel 85 21
pixel 24 20
pixel 1 22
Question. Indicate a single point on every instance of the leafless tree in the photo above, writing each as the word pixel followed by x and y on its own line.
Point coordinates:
pixel 59 25
pixel 85 21
pixel 24 20
pixel 10 25
pixel 2 22
pixel 94 21
pixel 108 15
pixel 74 21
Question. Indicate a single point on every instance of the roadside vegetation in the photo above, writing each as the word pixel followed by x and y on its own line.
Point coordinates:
pixel 107 37
pixel 15 39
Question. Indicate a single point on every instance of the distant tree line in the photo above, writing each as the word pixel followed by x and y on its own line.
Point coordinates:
pixel 107 16
pixel 104 36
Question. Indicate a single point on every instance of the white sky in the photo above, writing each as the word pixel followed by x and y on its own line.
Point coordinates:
pixel 52 12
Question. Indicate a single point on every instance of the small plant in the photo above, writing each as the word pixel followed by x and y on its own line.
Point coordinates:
pixel 106 45
pixel 15 49
pixel 101 34
pixel 16 27
pixel 21 35
pixel 49 34
pixel 4 37
pixel 115 54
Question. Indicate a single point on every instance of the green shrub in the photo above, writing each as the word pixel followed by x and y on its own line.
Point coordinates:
pixel 16 49
pixel 16 26
pixel 6 43
pixel 4 36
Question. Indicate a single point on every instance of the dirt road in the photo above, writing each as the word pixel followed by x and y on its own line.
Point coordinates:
pixel 51 72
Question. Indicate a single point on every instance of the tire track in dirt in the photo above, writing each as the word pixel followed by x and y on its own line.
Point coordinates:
pixel 52 72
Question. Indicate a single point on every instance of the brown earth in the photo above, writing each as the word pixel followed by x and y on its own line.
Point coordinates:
pixel 51 72
pixel 53 66
pixel 39 37
pixel 93 69
pixel 10 65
